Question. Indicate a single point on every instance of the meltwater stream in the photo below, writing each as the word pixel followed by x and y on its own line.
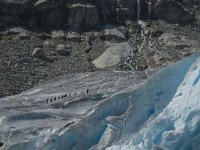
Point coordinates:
pixel 138 10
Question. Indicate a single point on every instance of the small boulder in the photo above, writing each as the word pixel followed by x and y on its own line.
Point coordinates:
pixel 44 36
pixel 23 36
pixel 109 34
pixel 85 46
pixel 39 53
pixel 74 37
pixel 48 42
pixel 63 50
pixel 157 33
pixel 58 35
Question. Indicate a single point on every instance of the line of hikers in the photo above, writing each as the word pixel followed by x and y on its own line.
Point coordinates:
pixel 61 97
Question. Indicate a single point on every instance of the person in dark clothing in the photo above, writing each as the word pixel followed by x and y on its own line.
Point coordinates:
pixel 55 99
pixel 87 91
pixel 47 100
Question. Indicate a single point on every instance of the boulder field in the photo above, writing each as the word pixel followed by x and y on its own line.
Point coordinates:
pixel 43 39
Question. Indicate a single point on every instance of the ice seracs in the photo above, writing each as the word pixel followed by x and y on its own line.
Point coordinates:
pixel 177 126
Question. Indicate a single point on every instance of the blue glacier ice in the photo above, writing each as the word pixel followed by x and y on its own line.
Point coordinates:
pixel 122 111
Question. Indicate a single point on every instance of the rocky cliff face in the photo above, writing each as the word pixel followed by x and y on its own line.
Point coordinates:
pixel 85 14
pixel 173 12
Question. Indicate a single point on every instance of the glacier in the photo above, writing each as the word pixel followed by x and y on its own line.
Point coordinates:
pixel 122 111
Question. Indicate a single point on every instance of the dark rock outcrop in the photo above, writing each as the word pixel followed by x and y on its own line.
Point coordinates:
pixel 48 13
pixel 1 144
pixel 86 15
pixel 15 12
pixel 172 12
pixel 189 3
pixel 82 16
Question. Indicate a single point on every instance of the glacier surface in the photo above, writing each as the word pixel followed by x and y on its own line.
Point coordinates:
pixel 122 111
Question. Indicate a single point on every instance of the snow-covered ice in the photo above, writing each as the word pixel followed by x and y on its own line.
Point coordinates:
pixel 122 111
